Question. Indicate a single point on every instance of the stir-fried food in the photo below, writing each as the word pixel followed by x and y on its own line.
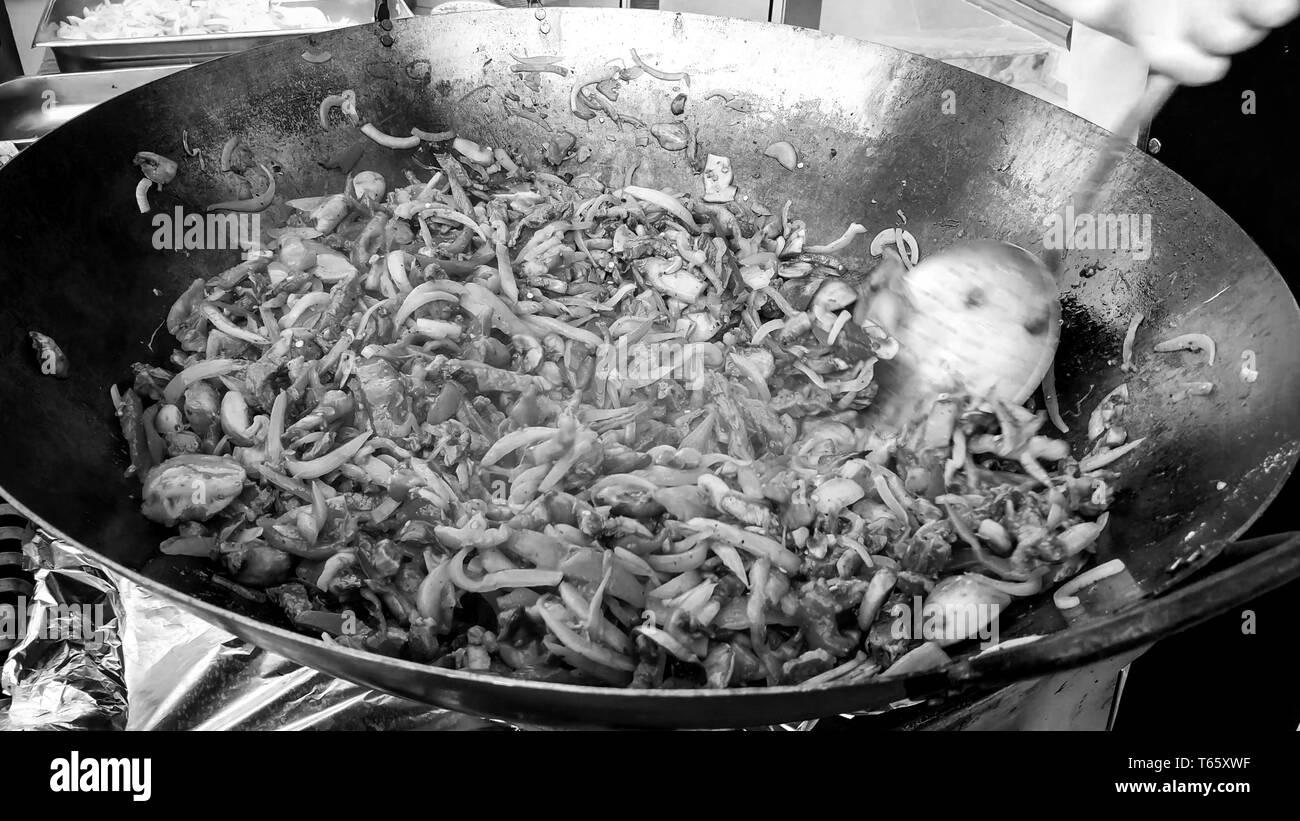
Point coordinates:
pixel 504 421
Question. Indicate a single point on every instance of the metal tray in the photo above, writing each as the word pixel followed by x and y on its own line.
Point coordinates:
pixel 93 55
pixel 31 107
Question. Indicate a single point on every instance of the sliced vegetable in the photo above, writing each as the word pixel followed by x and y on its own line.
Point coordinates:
pixel 259 203
pixel 1196 343
pixel 784 153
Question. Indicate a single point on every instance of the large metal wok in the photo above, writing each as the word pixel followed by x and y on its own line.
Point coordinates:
pixel 878 133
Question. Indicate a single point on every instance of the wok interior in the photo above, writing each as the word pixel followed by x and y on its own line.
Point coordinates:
pixel 875 138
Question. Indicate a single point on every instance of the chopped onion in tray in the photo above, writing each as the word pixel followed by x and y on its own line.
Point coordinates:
pixel 180 18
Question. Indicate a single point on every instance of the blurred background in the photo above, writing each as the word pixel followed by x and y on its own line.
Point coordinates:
pixel 1020 42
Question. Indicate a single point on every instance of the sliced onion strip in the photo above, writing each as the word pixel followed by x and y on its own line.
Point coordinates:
pixel 194 373
pixel 1063 597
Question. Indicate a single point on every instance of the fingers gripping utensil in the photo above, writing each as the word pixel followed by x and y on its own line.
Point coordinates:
pixel 984 317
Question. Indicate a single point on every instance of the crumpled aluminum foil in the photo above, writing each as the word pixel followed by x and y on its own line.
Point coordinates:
pixel 66 672
pixel 151 666
pixel 184 674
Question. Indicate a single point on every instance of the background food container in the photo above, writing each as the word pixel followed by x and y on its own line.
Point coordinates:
pixel 92 55
pixel 10 65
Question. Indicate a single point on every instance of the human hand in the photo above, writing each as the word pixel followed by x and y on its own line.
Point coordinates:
pixel 1189 41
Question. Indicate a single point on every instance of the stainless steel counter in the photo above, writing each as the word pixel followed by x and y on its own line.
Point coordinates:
pixel 30 107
